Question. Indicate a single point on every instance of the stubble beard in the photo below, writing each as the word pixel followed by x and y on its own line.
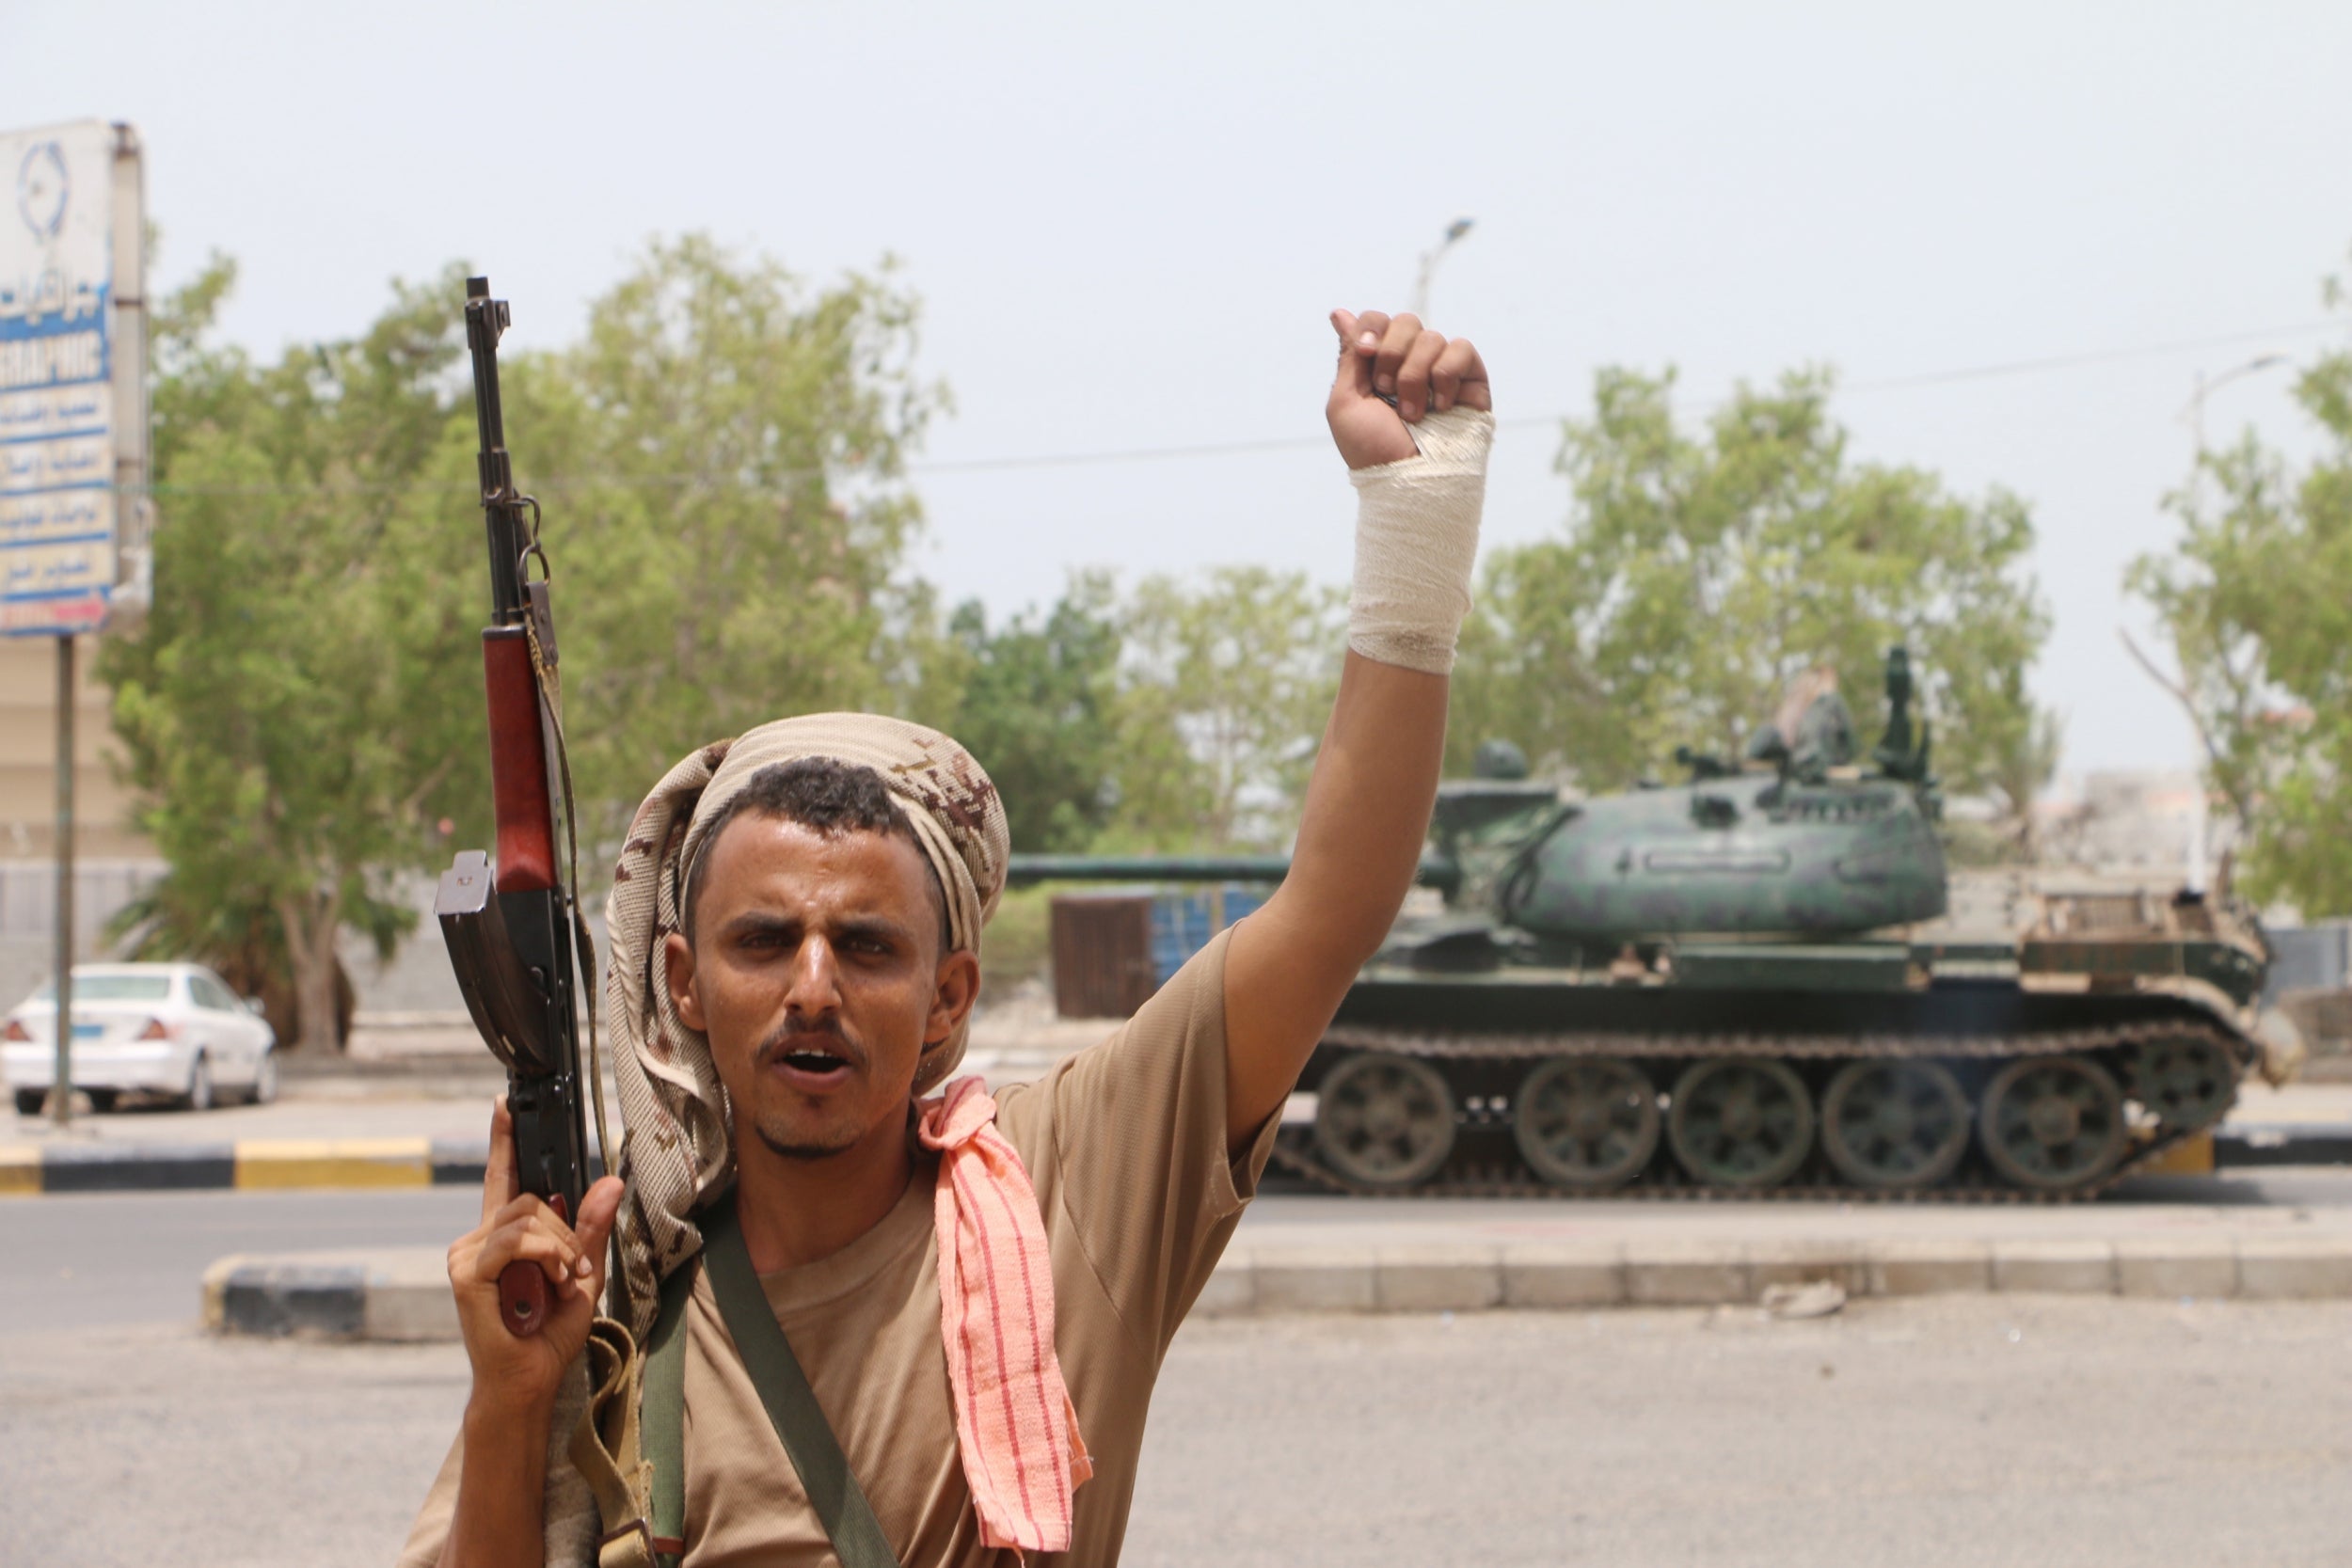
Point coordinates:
pixel 782 1146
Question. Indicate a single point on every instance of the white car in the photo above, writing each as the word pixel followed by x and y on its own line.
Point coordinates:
pixel 174 1029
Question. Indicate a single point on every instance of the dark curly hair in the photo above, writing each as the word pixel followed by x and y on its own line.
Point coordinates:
pixel 830 796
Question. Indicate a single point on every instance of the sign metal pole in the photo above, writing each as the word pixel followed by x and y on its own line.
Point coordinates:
pixel 61 1088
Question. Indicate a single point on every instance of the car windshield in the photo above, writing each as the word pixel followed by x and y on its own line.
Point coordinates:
pixel 111 987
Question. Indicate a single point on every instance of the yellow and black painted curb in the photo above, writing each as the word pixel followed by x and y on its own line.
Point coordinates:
pixel 248 1165
pixel 291 1164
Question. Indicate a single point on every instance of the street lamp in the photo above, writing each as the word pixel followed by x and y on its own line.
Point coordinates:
pixel 2193 414
pixel 2206 386
pixel 1429 260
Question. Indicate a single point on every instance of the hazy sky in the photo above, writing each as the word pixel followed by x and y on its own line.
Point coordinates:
pixel 1128 229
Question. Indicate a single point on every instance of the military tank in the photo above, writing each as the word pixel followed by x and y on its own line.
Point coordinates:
pixel 1742 985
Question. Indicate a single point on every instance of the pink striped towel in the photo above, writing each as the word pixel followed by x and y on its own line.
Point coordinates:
pixel 1015 1426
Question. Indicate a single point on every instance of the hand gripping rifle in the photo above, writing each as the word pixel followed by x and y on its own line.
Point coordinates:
pixel 512 931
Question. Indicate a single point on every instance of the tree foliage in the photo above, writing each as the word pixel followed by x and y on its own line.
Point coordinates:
pixel 1038 703
pixel 1182 714
pixel 2256 602
pixel 1699 572
pixel 1230 680
pixel 285 711
pixel 721 463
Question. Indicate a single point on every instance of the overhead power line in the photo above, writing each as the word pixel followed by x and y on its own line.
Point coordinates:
pixel 1552 422
pixel 1117 456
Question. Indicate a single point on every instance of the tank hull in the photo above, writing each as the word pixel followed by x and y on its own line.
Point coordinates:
pixel 1898 1071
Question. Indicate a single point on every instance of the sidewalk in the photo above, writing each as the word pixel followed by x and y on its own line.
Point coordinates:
pixel 1320 1255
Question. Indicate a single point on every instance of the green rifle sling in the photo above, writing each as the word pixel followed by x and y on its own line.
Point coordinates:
pixel 662 1429
pixel 775 1371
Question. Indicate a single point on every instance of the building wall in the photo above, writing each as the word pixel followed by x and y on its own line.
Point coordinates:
pixel 2146 822
pixel 113 861
pixel 28 758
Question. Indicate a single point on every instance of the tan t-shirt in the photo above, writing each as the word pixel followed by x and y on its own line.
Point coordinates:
pixel 1125 1145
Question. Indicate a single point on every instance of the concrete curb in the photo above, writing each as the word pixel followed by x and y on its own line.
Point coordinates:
pixel 402 1295
pixel 2283 1143
pixel 396 1294
pixel 1255 1279
pixel 287 1164
pixel 30 1170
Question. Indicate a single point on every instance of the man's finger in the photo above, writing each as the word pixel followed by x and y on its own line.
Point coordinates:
pixel 529 1206
pixel 1370 328
pixel 598 1211
pixel 1445 385
pixel 1461 364
pixel 1355 371
pixel 1395 343
pixel 527 1214
pixel 499 1181
pixel 556 1256
pixel 1412 377
pixel 1457 363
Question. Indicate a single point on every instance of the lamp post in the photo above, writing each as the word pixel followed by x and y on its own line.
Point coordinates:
pixel 1429 260
pixel 2207 386
pixel 2193 413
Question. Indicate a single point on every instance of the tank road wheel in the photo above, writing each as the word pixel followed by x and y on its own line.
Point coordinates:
pixel 1892 1123
pixel 1586 1124
pixel 1741 1122
pixel 2187 1081
pixel 1384 1121
pixel 2053 1123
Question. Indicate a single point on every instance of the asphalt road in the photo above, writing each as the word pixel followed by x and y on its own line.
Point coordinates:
pixel 93 1259
pixel 105 1260
pixel 1969 1432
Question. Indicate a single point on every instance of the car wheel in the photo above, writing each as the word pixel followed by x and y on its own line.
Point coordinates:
pixel 102 1099
pixel 28 1101
pixel 199 1095
pixel 264 1087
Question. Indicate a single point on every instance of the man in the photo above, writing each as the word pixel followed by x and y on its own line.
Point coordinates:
pixel 979 1292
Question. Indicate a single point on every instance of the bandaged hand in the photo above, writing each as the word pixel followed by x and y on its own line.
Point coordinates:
pixel 1419 464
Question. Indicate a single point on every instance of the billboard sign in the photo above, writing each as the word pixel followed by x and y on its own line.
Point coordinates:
pixel 73 374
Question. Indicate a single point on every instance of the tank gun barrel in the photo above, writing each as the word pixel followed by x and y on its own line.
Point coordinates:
pixel 1027 870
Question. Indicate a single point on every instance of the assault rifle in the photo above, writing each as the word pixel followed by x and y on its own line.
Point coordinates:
pixel 512 930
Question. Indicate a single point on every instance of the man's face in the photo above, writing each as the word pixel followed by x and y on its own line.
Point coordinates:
pixel 817 973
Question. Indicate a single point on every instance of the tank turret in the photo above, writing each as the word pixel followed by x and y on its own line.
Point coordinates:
pixel 1797 841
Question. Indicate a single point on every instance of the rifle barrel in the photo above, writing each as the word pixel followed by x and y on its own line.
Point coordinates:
pixel 487 321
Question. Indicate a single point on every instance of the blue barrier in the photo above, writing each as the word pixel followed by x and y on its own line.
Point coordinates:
pixel 1183 923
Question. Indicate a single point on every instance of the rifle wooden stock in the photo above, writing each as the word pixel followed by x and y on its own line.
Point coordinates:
pixel 518 763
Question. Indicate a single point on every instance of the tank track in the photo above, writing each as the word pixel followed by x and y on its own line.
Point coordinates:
pixel 1487 1173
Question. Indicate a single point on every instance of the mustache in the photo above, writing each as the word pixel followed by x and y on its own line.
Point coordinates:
pixel 800 1034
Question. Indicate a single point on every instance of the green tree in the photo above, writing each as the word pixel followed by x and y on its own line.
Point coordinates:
pixel 283 712
pixel 1228 683
pixel 1700 572
pixel 1039 706
pixel 2256 602
pixel 721 462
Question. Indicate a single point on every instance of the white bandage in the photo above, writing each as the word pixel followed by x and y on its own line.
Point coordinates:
pixel 1416 538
